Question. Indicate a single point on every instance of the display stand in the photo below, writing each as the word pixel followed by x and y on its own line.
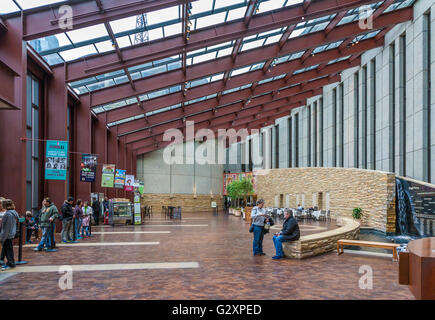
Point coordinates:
pixel 20 245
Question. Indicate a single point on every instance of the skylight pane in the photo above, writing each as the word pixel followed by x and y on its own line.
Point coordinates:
pixel 224 52
pixel 210 20
pixel 122 25
pixel 76 53
pixel 8 6
pixel 50 42
pixel 87 33
pixel 240 71
pixel 204 57
pixel 155 34
pixel 123 42
pixel 163 15
pixel 201 6
pixel 236 13
pixel 53 59
pixel 27 4
pixel 226 3
pixel 252 44
pixel 172 29
pixel 270 5
pixel 272 39
pixel 104 46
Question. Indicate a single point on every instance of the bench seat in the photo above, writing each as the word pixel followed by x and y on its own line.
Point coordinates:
pixel 384 245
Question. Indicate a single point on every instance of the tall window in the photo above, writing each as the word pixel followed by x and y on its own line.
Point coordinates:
pixel 277 146
pixel 364 118
pixel 373 114
pixel 356 119
pixel 32 152
pixel 341 132
pixel 309 137
pixel 402 114
pixel 315 134
pixel 392 110
pixel 427 55
pixel 320 132
pixel 297 140
pixel 334 127
pixel 290 144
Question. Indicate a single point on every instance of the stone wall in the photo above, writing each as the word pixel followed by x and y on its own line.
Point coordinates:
pixel 341 189
pixel 315 244
pixel 187 202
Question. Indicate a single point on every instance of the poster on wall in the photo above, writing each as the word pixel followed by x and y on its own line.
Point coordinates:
pixel 141 188
pixel 129 180
pixel 56 160
pixel 108 177
pixel 88 168
pixel 120 178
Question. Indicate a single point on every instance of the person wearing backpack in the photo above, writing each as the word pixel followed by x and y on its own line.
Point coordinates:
pixel 67 216
pixel 8 231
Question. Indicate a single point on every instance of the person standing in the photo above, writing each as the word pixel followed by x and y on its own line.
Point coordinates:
pixel 290 232
pixel 8 230
pixel 258 218
pixel 67 217
pixel 30 226
pixel 47 215
pixel 96 208
pixel 87 213
pixel 54 215
pixel 78 216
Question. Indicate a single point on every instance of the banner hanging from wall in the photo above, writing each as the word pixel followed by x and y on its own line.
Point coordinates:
pixel 56 160
pixel 88 168
pixel 141 188
pixel 120 178
pixel 108 177
pixel 129 180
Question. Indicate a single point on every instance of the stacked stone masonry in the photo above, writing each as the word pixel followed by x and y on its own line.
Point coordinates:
pixel 338 189
pixel 187 202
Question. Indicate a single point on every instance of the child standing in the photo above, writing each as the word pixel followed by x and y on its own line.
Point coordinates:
pixel 87 212
pixel 30 226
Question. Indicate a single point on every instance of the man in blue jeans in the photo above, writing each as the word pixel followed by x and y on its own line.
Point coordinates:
pixel 46 218
pixel 258 217
pixel 290 232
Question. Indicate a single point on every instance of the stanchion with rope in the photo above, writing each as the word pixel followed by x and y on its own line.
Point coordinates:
pixel 20 245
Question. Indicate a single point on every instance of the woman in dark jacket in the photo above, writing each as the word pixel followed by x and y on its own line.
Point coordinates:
pixel 290 232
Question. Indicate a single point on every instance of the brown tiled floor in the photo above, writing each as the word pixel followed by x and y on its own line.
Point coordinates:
pixel 227 269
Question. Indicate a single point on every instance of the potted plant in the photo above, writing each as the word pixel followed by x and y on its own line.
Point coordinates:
pixel 237 190
pixel 357 213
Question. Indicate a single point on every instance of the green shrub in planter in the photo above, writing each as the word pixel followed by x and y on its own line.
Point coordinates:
pixel 357 213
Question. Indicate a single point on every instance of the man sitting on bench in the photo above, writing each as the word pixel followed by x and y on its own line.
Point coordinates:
pixel 290 232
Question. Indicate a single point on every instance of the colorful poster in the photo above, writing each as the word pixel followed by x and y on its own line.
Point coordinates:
pixel 88 168
pixel 120 178
pixel 141 188
pixel 129 180
pixel 56 160
pixel 108 177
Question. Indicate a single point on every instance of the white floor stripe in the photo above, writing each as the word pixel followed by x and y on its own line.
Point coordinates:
pixel 175 225
pixel 100 244
pixel 4 275
pixel 108 267
pixel 129 232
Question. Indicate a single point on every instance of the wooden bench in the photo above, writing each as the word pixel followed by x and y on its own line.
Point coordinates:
pixel 383 245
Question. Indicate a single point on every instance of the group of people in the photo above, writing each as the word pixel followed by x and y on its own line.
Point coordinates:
pixel 75 225
pixel 290 230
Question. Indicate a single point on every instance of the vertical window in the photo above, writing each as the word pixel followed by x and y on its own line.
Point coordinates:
pixel 373 113
pixel 392 110
pixel 261 148
pixel 334 127
pixel 402 110
pixel 364 118
pixel 356 119
pixel 290 144
pixel 32 148
pixel 341 132
pixel 250 155
pixel 427 95
pixel 320 132
pixel 277 146
pixel 315 134
pixel 309 137
pixel 271 147
pixel 297 140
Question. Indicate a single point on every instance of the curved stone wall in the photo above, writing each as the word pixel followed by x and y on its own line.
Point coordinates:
pixel 338 189
pixel 318 243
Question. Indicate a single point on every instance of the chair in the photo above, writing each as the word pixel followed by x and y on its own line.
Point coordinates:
pixel 322 215
pixel 328 215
